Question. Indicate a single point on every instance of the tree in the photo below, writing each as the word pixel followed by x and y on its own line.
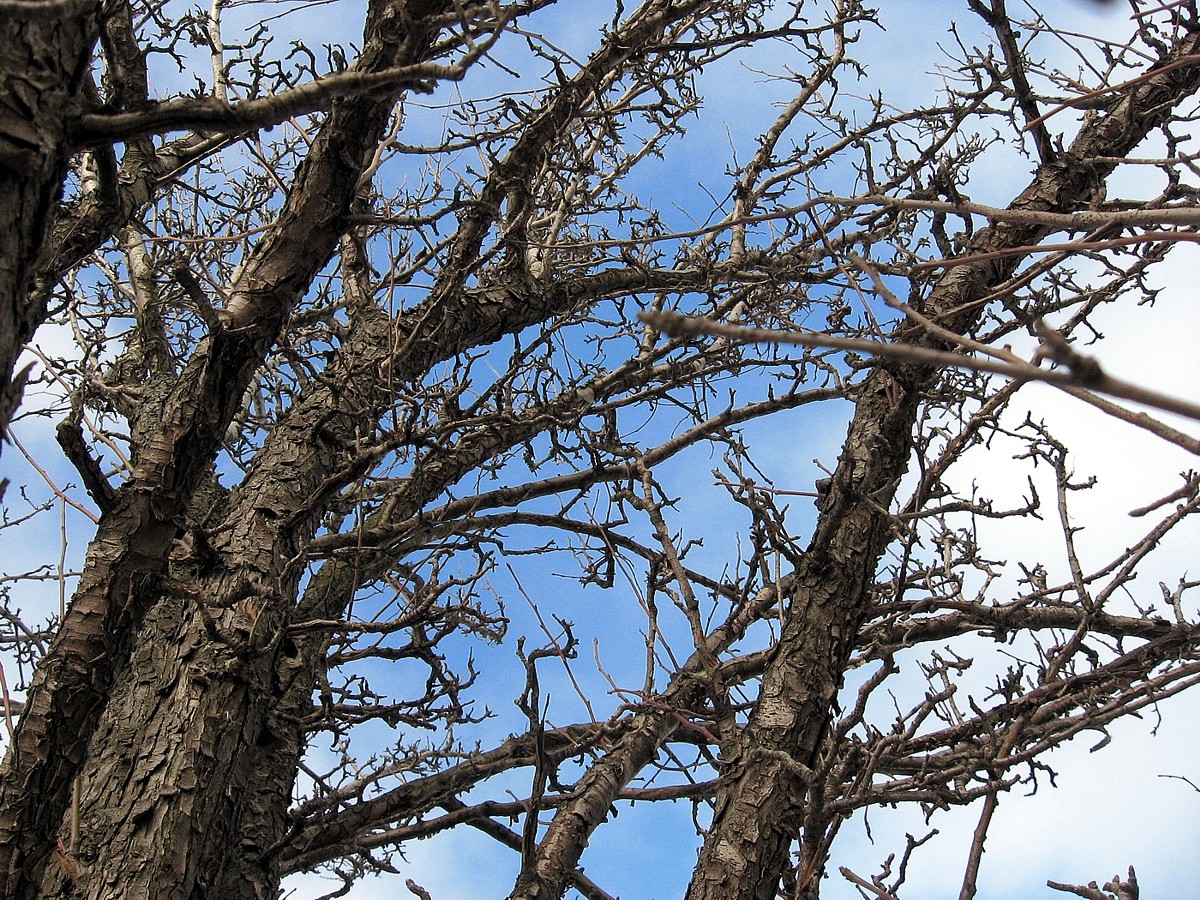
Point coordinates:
pixel 357 361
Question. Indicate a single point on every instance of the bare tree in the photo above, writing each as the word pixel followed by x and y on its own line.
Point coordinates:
pixel 371 335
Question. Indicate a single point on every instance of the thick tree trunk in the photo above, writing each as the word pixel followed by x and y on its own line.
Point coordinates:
pixel 44 57
pixel 756 815
pixel 161 795
pixel 760 803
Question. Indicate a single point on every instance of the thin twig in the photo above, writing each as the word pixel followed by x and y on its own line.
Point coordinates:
pixel 676 325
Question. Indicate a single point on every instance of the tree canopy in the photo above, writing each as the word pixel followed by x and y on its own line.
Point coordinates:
pixel 489 415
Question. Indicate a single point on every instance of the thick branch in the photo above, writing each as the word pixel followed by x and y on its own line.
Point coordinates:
pixel 214 114
pixel 127 560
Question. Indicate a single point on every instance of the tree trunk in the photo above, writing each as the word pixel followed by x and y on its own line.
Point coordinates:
pixel 44 57
pixel 161 794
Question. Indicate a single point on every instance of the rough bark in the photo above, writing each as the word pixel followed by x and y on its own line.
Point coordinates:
pixel 287 484
pixel 761 799
pixel 44 58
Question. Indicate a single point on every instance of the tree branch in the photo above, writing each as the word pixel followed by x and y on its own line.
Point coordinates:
pixel 1090 376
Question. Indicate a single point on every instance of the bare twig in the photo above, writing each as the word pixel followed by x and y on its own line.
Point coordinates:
pixel 213 113
pixel 1091 377
pixel 1118 889
pixel 875 889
